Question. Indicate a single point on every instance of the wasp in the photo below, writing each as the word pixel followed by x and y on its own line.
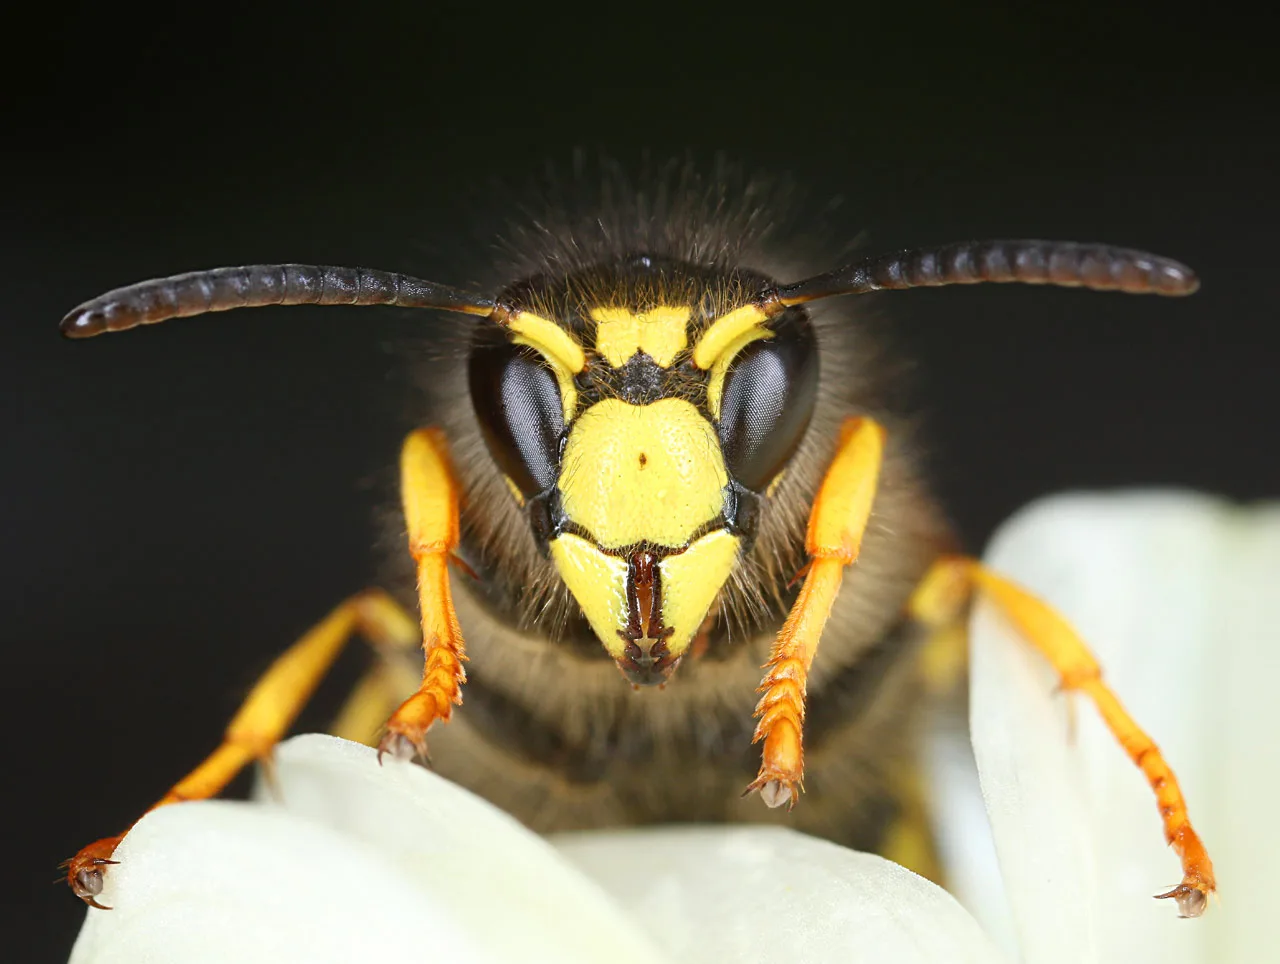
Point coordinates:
pixel 675 548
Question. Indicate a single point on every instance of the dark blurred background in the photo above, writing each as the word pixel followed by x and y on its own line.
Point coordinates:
pixel 179 503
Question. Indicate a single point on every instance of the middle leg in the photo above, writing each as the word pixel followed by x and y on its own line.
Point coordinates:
pixel 267 712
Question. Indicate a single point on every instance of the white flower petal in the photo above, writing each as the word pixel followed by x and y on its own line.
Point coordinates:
pixel 962 829
pixel 361 863
pixel 222 881
pixel 1175 593
pixel 740 894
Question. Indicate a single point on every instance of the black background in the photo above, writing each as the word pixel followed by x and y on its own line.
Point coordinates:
pixel 179 503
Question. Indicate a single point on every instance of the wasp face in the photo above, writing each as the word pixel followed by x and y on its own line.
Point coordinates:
pixel 639 412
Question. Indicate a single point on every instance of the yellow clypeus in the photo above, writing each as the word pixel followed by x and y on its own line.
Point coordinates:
pixel 642 473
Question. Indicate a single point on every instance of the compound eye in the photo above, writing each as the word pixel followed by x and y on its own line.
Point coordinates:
pixel 517 402
pixel 766 403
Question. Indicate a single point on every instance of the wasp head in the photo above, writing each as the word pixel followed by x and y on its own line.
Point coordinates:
pixel 639 411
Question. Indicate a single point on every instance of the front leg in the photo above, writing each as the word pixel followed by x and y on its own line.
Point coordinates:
pixel 431 496
pixel 837 523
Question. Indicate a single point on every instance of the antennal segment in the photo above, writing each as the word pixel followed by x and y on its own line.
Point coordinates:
pixel 1099 267
pixel 257 285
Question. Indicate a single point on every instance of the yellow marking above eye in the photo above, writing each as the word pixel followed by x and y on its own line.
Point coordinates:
pixel 726 330
pixel 715 387
pixel 660 333
pixel 549 338
pixel 642 473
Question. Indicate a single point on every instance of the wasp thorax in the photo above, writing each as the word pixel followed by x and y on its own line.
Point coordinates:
pixel 640 412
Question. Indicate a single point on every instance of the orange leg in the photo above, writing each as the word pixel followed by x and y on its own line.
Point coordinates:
pixel 430 495
pixel 267 712
pixel 836 525
pixel 942 598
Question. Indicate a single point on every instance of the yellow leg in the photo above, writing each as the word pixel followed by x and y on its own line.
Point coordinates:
pixel 941 599
pixel 909 841
pixel 271 706
pixel 836 526
pixel 944 658
pixel 430 495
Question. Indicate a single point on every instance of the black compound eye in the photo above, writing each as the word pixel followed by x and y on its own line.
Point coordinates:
pixel 767 400
pixel 517 402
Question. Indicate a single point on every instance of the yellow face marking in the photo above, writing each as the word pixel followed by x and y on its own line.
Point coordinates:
pixel 660 333
pixel 642 473
pixel 715 388
pixel 549 338
pixel 724 331
pixel 690 583
pixel 599 582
